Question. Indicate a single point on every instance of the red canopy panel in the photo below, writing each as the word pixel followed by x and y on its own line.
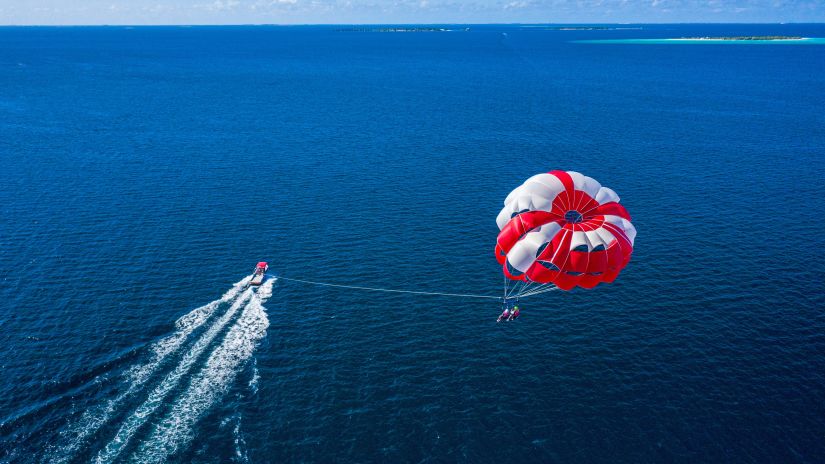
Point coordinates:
pixel 563 228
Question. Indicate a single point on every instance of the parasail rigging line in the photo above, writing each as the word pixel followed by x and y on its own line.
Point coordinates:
pixel 539 289
pixel 521 289
pixel 390 290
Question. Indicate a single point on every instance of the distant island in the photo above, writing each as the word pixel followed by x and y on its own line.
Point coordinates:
pixel 580 28
pixel 739 39
pixel 398 29
pixel 746 37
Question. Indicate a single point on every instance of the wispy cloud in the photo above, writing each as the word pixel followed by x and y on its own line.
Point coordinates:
pixel 223 5
pixel 517 5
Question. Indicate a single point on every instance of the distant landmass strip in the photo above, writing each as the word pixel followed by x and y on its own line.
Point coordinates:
pixel 746 37
pixel 399 29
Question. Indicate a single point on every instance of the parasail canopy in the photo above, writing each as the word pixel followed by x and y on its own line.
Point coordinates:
pixel 565 229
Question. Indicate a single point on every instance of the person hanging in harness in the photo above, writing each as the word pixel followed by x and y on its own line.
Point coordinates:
pixel 505 315
pixel 510 310
pixel 514 314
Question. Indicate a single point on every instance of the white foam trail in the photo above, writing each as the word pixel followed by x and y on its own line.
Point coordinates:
pixel 140 415
pixel 240 443
pixel 136 377
pixel 210 384
pixel 256 377
pixel 265 290
pixel 186 324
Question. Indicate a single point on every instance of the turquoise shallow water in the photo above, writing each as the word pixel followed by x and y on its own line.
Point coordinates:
pixel 143 171
pixel 680 41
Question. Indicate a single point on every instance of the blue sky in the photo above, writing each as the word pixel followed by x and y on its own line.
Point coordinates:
pixel 404 11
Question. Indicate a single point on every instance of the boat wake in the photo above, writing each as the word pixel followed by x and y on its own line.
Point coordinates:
pixel 189 352
pixel 210 384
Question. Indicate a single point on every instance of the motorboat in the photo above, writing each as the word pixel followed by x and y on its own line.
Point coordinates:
pixel 259 274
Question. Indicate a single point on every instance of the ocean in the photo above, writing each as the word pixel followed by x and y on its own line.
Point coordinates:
pixel 145 170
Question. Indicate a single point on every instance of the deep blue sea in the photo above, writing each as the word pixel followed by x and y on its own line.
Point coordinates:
pixel 144 171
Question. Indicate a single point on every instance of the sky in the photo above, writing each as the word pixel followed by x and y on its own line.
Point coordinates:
pixel 139 12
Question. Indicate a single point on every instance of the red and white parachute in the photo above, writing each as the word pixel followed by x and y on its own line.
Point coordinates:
pixel 562 229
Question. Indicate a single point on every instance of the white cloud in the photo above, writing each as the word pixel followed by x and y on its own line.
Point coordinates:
pixel 516 5
pixel 222 5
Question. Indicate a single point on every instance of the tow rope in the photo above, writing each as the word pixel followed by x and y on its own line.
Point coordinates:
pixel 389 290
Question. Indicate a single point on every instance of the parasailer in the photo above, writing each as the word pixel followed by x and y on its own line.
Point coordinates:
pixel 509 309
pixel 558 230
pixel 561 229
